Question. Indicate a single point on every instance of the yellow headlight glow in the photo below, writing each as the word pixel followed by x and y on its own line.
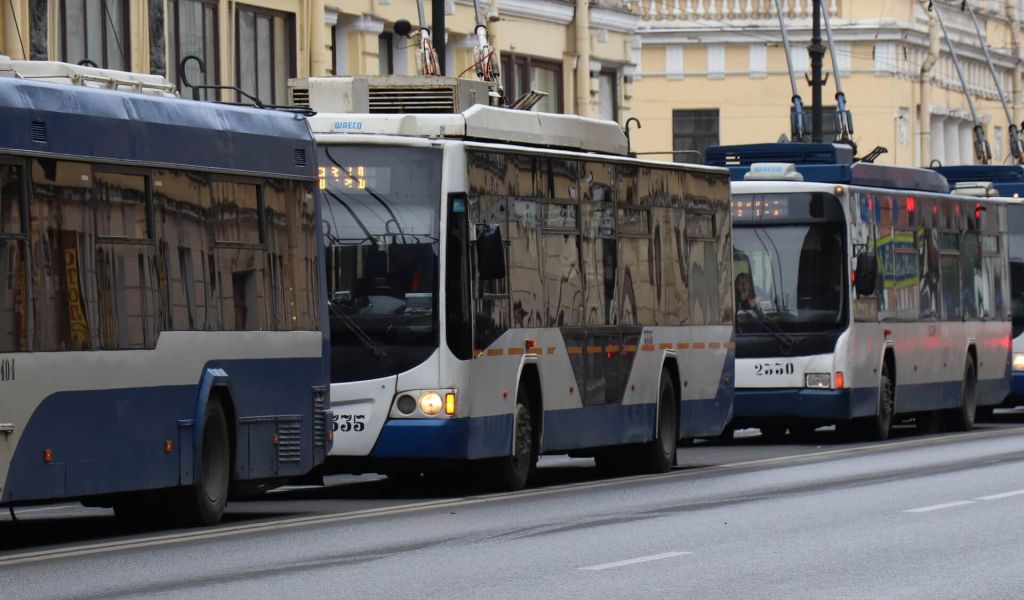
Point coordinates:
pixel 431 403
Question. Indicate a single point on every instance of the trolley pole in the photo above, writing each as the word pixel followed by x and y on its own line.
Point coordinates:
pixel 437 28
pixel 817 52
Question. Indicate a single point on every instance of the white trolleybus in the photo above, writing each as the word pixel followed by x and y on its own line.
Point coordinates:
pixel 1006 181
pixel 160 325
pixel 504 284
pixel 865 294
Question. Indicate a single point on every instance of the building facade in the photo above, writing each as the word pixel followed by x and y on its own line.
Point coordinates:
pixel 582 64
pixel 693 72
pixel 714 71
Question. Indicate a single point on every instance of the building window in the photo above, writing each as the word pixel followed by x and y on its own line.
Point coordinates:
pixel 828 123
pixel 95 30
pixel 525 73
pixel 192 31
pixel 693 131
pixel 608 95
pixel 266 53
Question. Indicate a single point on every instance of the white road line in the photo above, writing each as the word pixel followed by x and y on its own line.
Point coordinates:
pixel 633 561
pixel 1003 495
pixel 939 506
pixel 332 518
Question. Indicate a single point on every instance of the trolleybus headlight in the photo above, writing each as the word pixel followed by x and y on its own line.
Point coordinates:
pixel 406 404
pixel 1018 361
pixel 431 403
pixel 818 380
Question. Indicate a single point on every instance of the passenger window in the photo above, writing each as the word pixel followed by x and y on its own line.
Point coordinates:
pixel 63 238
pixel 14 301
pixel 237 212
pixel 121 205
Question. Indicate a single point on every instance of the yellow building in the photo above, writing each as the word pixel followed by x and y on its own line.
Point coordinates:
pixel 714 71
pixel 259 44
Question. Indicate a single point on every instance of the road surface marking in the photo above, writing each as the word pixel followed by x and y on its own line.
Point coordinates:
pixel 331 518
pixel 1003 495
pixel 633 561
pixel 939 506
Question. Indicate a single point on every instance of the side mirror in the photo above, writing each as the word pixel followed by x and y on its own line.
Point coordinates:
pixel 866 275
pixel 490 252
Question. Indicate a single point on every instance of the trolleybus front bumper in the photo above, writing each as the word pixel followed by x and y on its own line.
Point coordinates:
pixel 754 405
pixel 1017 386
pixel 431 439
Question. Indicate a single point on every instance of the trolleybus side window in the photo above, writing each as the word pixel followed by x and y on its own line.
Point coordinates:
pixel 125 257
pixel 181 204
pixel 288 209
pixel 240 255
pixel 635 251
pixel 63 240
pixel 599 247
pixel 563 281
pixel 1015 227
pixel 14 301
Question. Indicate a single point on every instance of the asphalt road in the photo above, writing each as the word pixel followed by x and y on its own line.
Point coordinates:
pixel 916 517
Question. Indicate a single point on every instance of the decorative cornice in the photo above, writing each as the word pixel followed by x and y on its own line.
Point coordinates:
pixel 331 16
pixel 540 10
pixel 614 20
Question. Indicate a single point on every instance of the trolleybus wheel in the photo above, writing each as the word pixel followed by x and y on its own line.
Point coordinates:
pixel 203 503
pixel 962 419
pixel 879 427
pixel 658 455
pixel 514 471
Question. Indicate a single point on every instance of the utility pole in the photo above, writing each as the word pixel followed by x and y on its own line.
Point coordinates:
pixel 817 52
pixel 438 34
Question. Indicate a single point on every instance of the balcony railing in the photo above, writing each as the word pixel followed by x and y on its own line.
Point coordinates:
pixel 720 10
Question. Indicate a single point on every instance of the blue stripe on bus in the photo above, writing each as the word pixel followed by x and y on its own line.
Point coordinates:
pixel 840 405
pixel 567 429
pixel 107 441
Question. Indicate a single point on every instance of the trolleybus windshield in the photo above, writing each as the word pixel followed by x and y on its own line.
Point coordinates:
pixel 788 262
pixel 381 222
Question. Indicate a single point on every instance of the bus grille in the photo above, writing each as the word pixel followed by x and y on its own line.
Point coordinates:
pixel 320 417
pixel 289 445
pixel 412 99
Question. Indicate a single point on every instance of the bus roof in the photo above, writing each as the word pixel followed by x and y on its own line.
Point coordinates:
pixel 1008 180
pixel 821 163
pixel 485 123
pixel 72 121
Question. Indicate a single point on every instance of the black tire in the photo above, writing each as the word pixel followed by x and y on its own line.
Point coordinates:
pixel 879 427
pixel 514 472
pixel 203 502
pixel 658 455
pixel 773 432
pixel 962 419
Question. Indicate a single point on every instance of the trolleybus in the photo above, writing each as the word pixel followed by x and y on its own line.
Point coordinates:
pixel 504 284
pixel 161 340
pixel 1006 181
pixel 865 294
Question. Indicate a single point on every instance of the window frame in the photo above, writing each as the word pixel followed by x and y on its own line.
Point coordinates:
pixel 62 18
pixel 290 28
pixel 510 61
pixel 678 116
pixel 212 75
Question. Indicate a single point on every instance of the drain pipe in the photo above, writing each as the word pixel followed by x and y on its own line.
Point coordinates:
pixel 583 58
pixel 924 110
pixel 317 39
